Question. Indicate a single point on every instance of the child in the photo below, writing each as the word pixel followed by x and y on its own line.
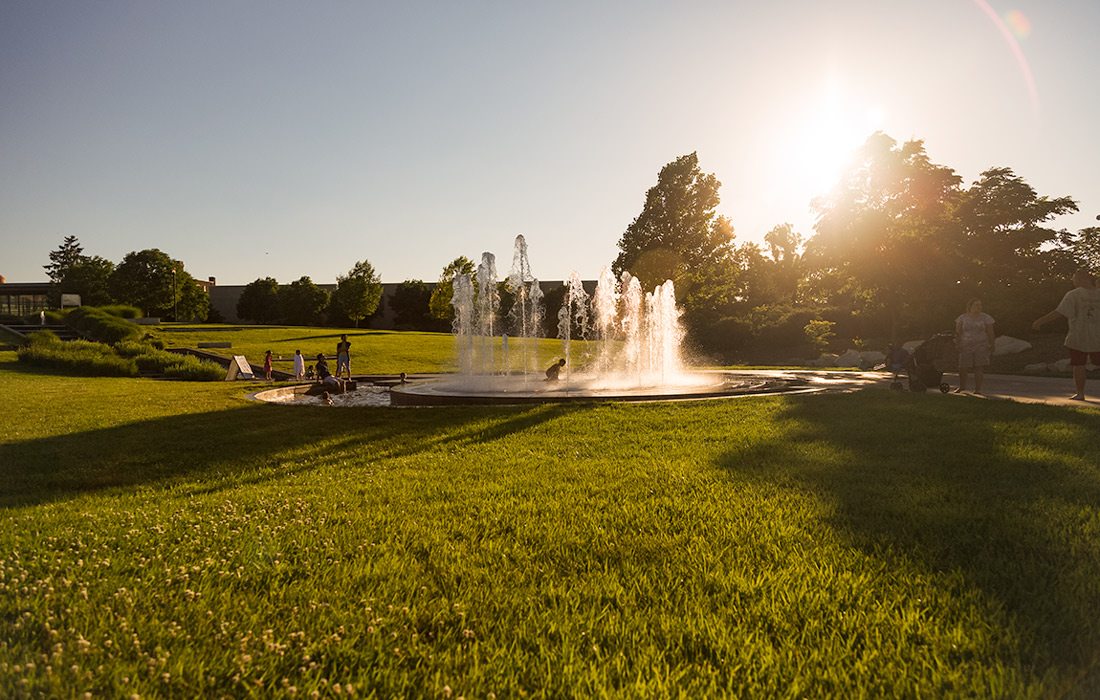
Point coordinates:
pixel 299 366
pixel 267 365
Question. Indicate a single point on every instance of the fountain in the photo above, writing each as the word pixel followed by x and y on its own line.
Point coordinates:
pixel 619 343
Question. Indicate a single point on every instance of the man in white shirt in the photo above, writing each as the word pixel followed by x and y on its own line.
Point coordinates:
pixel 1081 307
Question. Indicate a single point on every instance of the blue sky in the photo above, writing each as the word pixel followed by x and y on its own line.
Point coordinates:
pixel 288 139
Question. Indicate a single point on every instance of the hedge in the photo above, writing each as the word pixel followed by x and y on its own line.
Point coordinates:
pixel 193 369
pixel 77 357
pixel 102 326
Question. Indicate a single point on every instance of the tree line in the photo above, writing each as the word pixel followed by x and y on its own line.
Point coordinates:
pixel 899 246
pixel 148 279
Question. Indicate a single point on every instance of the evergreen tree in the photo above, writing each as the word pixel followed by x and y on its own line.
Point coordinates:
pixel 69 253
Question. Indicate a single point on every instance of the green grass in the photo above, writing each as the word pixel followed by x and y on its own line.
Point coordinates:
pixel 373 351
pixel 171 539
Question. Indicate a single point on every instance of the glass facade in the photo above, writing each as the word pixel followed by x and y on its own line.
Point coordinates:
pixel 24 299
pixel 23 304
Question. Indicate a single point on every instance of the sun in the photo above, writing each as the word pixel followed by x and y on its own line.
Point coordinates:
pixel 821 139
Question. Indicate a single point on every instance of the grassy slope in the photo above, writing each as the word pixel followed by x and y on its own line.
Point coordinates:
pixel 382 352
pixel 176 539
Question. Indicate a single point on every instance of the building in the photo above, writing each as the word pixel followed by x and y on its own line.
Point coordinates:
pixel 24 298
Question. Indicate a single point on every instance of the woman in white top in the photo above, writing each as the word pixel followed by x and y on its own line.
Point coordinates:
pixel 974 338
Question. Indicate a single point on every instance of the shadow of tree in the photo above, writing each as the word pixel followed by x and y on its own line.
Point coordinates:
pixel 255 443
pixel 1009 498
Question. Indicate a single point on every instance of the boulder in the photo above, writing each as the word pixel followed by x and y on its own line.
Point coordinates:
pixel 870 358
pixel 850 358
pixel 910 345
pixel 827 359
pixel 1061 365
pixel 1038 368
pixel 1007 345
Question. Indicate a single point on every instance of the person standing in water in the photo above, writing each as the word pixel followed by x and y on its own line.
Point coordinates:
pixel 343 356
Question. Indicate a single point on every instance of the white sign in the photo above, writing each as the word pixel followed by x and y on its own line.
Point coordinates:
pixel 70 300
pixel 239 369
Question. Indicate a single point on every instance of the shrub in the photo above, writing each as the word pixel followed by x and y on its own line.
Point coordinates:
pixel 78 357
pixel 133 348
pixel 43 338
pixel 157 360
pixel 121 311
pixel 101 326
pixel 193 369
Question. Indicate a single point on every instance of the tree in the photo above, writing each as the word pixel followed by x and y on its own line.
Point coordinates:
pixel 678 236
pixel 358 292
pixel 145 279
pixel 89 277
pixel 410 303
pixel 67 254
pixel 303 303
pixel 884 234
pixel 193 303
pixel 440 303
pixel 259 301
pixel 1084 247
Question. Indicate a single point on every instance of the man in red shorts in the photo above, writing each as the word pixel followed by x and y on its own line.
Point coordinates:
pixel 1081 307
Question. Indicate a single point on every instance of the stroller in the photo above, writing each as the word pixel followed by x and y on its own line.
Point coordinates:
pixel 929 360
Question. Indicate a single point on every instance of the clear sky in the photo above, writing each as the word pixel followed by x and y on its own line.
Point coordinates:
pixel 291 138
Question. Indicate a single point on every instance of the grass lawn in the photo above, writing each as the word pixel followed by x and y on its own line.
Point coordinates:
pixel 174 539
pixel 373 351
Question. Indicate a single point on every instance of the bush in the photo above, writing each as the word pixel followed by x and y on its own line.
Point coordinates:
pixel 121 311
pixel 133 348
pixel 101 326
pixel 193 369
pixel 78 357
pixel 43 338
pixel 157 360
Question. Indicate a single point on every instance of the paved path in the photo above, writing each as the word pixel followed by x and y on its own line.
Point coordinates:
pixel 1049 390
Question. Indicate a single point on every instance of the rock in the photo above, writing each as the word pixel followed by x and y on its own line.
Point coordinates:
pixel 850 358
pixel 1039 367
pixel 827 359
pixel 910 345
pixel 870 358
pixel 1061 365
pixel 1007 345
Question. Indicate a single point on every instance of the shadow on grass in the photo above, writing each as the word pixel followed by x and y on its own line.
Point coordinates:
pixel 253 444
pixel 1003 493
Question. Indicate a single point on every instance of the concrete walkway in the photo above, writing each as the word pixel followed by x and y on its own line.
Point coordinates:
pixel 1049 390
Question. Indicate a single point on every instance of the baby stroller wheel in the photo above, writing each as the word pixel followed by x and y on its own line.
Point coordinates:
pixel 944 388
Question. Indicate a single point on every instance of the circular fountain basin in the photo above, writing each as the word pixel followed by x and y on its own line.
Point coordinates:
pixel 489 389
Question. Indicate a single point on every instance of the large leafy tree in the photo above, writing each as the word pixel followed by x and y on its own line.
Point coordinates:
pixel 440 303
pixel 145 279
pixel 259 301
pixel 89 277
pixel 194 302
pixel 1011 257
pixel 881 233
pixel 303 303
pixel 679 234
pixel 69 253
pixel 358 293
pixel 410 305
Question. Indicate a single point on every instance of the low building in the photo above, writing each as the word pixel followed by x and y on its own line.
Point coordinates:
pixel 24 298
